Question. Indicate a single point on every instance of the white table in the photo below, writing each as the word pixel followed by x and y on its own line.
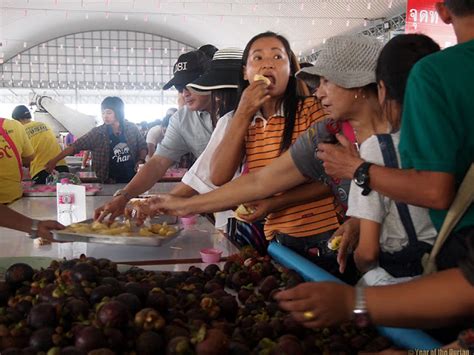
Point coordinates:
pixel 183 250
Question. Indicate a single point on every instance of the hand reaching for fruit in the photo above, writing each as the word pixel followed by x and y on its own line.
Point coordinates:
pixel 253 211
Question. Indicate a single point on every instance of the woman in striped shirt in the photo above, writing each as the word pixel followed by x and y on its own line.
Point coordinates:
pixel 269 117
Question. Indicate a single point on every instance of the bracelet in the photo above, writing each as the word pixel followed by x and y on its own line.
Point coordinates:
pixel 34 229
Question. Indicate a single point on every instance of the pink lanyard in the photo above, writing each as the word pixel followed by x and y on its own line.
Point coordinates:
pixel 349 133
pixel 12 145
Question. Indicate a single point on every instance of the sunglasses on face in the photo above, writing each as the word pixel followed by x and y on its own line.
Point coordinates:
pixel 180 88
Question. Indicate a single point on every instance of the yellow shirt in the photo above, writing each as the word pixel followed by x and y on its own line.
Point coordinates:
pixel 45 145
pixel 10 177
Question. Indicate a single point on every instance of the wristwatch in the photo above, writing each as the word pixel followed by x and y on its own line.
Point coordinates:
pixel 360 313
pixel 362 178
pixel 122 192
pixel 34 229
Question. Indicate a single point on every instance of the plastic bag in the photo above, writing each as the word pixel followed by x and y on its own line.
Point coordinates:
pixel 63 178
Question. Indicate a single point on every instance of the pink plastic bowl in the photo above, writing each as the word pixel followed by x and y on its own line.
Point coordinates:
pixel 211 255
pixel 189 220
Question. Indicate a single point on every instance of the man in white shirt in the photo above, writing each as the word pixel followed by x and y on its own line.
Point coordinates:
pixel 156 133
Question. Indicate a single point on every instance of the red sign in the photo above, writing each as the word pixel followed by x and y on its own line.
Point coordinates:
pixel 422 18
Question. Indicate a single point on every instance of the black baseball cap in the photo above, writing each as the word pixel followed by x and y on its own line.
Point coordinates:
pixel 21 112
pixel 188 68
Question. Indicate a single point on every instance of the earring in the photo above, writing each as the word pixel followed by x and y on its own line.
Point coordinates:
pixel 355 96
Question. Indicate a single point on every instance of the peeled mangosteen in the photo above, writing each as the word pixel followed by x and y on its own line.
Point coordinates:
pixel 42 315
pixel 113 314
pixel 149 343
pixel 89 338
pixel 18 273
pixel 42 339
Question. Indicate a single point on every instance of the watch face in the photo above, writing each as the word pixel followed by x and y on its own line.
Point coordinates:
pixel 360 178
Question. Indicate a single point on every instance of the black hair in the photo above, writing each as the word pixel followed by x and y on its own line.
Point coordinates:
pixel 395 61
pixel 115 104
pixel 460 7
pixel 222 101
pixel 295 90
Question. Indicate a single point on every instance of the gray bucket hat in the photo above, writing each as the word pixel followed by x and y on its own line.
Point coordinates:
pixel 348 61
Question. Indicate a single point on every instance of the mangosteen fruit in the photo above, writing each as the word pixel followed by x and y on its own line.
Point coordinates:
pixel 42 339
pixel 18 273
pixel 211 270
pixel 149 319
pixel 131 301
pixel 216 342
pixel 98 293
pixel 89 338
pixel 84 272
pixel 149 343
pixel 113 314
pixel 179 346
pixel 42 315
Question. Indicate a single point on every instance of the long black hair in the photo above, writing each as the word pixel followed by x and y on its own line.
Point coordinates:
pixel 294 93
pixel 115 104
pixel 395 61
pixel 222 101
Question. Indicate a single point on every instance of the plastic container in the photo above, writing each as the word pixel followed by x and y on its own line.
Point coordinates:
pixel 189 220
pixel 211 255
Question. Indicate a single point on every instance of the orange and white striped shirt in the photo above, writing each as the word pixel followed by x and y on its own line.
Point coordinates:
pixel 262 146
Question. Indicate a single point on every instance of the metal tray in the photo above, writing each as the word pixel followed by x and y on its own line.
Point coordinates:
pixel 155 241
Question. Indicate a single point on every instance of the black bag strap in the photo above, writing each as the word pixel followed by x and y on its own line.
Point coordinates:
pixel 390 159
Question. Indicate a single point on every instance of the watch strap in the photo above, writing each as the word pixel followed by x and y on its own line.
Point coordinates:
pixel 123 193
pixel 363 169
pixel 360 312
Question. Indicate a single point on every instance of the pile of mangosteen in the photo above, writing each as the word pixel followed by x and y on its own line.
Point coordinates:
pixel 85 306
